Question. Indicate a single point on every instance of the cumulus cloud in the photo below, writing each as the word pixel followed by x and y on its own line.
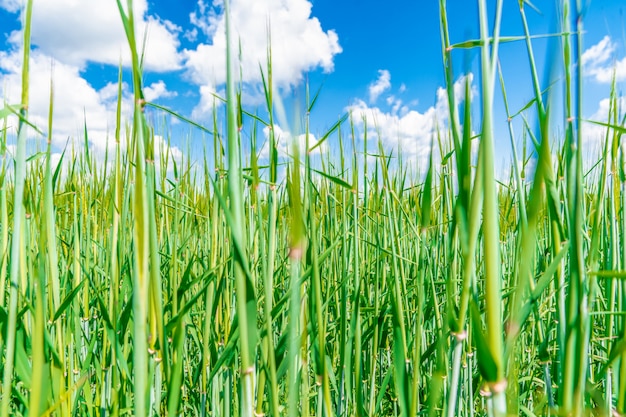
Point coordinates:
pixel 409 132
pixel 66 36
pixel 599 62
pixel 76 101
pixel 298 43
pixel 285 142
pixel 77 32
pixel 403 129
pixel 157 90
pixel 382 84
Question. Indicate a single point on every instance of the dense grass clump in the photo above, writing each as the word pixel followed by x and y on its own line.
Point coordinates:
pixel 147 285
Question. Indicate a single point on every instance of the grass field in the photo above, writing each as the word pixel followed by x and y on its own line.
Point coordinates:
pixel 212 285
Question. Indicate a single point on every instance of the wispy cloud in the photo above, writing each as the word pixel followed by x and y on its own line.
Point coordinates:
pixel 378 87
pixel 600 62
pixel 11 5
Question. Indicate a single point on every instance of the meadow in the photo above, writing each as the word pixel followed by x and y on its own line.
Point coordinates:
pixel 149 285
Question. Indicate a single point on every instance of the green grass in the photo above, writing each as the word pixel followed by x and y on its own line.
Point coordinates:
pixel 211 286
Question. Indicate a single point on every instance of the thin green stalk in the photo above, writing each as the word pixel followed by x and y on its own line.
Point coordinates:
pixel 491 239
pixel 244 290
pixel 268 274
pixel 141 230
pixel 17 245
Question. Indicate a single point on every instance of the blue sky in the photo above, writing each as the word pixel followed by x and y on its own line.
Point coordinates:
pixel 381 62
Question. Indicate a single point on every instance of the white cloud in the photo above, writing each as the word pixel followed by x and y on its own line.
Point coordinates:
pixel 205 18
pixel 459 93
pixel 11 6
pixel 299 44
pixel 110 91
pixel 410 132
pixel 208 101
pixel 605 74
pixel 66 35
pixel 161 146
pixel 599 53
pixel 157 90
pixel 382 84
pixel 191 35
pixel 594 135
pixel 76 32
pixel 284 143
pixel 74 100
pixel 600 63
pixel 406 130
